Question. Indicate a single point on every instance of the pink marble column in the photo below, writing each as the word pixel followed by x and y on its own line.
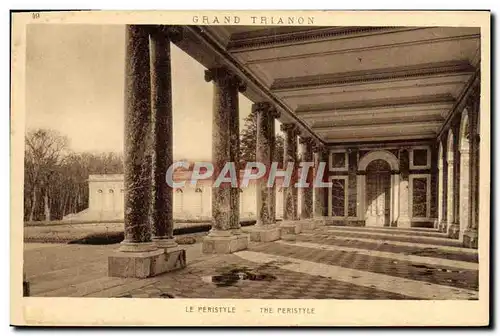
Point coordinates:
pixel 161 217
pixel 307 192
pixel 225 235
pixel 137 151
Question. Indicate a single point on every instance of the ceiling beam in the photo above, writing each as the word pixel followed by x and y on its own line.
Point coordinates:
pixel 197 39
pixel 394 110
pixel 382 127
pixel 377 103
pixel 380 141
pixel 427 70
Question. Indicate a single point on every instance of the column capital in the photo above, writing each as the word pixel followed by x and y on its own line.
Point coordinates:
pixel 173 33
pixel 261 107
pixel 290 129
pixel 274 112
pixel 318 147
pixel 224 76
pixel 309 141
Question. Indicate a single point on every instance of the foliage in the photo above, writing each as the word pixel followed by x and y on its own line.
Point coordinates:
pixel 55 178
pixel 248 142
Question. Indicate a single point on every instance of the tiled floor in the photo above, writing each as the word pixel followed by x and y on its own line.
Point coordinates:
pixel 326 263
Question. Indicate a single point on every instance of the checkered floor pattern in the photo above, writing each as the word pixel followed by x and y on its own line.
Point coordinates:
pixel 197 280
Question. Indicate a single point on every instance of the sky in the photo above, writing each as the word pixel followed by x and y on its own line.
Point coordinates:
pixel 75 85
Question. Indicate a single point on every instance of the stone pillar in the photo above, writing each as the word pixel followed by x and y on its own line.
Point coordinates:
pixel 306 212
pixel 290 224
pixel 444 202
pixel 464 199
pixel 161 219
pixel 321 193
pixel 137 158
pixel 275 114
pixel 225 237
pixel 452 227
pixel 265 230
pixel 404 162
pixel 471 236
pixel 148 109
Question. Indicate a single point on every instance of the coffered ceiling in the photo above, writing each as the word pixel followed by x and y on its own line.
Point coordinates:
pixel 346 84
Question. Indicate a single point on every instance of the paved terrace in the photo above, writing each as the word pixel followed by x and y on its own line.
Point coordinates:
pixel 325 263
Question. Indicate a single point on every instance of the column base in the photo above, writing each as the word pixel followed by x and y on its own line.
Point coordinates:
pixel 145 264
pixel 436 224
pixel 290 227
pixel 320 221
pixel 308 224
pixel 215 244
pixel 470 238
pixel 442 226
pixel 264 233
pixel 453 231
pixel 404 222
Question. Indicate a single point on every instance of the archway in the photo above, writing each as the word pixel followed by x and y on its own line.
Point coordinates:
pixel 450 195
pixel 389 166
pixel 464 147
pixel 378 193
pixel 440 185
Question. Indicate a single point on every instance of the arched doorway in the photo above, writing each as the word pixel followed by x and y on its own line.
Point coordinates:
pixel 378 193
pixel 464 146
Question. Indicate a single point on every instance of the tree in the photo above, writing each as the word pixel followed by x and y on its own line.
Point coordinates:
pixel 248 142
pixel 59 176
pixel 44 152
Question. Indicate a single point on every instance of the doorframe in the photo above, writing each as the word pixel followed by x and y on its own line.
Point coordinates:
pixel 393 162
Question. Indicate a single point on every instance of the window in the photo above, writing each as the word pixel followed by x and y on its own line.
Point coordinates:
pixel 338 160
pixel 420 158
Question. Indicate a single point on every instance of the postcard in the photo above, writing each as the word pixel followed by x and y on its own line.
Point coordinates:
pixel 250 168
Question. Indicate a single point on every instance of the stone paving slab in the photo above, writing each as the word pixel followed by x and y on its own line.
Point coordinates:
pixel 460 278
pixel 325 238
pixel 194 283
pixel 81 270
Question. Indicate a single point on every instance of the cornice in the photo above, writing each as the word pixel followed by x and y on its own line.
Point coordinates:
pixel 245 41
pixel 400 73
pixel 379 103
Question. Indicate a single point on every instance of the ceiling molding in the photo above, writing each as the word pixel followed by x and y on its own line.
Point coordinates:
pixel 384 143
pixel 361 49
pixel 378 103
pixel 270 38
pixel 387 126
pixel 354 77
pixel 375 119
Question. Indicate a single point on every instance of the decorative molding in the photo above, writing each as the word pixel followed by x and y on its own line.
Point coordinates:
pixel 355 77
pixel 352 127
pixel 377 103
pixel 427 165
pixel 330 160
pixel 427 197
pixel 346 196
pixel 387 156
pixel 224 76
pixel 356 50
pixel 269 38
pixel 200 35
